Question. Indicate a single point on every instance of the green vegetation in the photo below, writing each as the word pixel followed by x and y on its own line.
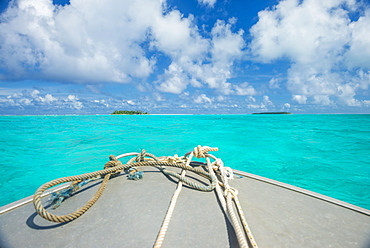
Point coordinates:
pixel 129 112
pixel 273 113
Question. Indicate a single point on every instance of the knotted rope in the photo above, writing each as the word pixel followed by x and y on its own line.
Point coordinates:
pixel 114 167
pixel 231 194
pixel 201 151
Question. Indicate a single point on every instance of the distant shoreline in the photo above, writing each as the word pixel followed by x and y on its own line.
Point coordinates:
pixel 272 113
pixel 189 114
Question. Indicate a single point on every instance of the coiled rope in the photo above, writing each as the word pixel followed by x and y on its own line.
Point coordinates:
pixel 114 167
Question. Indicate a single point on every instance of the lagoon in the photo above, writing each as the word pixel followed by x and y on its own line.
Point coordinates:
pixel 328 154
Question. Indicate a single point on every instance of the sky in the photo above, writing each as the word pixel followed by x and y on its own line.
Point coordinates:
pixel 184 57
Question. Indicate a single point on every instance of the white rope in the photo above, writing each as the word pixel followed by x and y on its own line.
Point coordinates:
pixel 218 188
pixel 232 194
pixel 226 198
pixel 167 219
pixel 230 209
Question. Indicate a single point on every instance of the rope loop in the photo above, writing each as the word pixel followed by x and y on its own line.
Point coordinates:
pixel 217 164
pixel 141 156
pixel 228 172
pixel 113 162
pixel 114 167
pixel 233 191
pixel 201 151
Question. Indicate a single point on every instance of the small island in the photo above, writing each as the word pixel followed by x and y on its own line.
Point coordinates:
pixel 129 112
pixel 272 113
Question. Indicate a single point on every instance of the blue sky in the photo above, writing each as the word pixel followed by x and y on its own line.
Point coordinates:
pixel 195 56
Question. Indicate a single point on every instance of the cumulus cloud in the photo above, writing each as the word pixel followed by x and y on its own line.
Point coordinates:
pixel 37 40
pixel 73 102
pixel 202 99
pixel 327 49
pixel 267 102
pixel 199 61
pixel 28 99
pixel 264 105
pixel 244 89
pixel 113 41
pixel 175 80
pixel 275 82
pixel 210 3
pixel 131 102
pixel 322 100
pixel 301 99
pixel 359 50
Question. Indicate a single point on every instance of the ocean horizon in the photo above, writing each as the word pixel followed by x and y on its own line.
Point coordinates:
pixel 324 153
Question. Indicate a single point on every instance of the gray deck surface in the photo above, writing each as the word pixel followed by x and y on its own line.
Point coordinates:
pixel 130 214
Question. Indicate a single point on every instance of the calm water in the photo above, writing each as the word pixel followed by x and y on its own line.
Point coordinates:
pixel 328 154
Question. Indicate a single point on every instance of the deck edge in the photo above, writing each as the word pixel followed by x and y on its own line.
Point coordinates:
pixel 28 199
pixel 304 191
pixel 24 201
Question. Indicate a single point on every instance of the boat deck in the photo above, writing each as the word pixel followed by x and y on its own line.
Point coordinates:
pixel 130 214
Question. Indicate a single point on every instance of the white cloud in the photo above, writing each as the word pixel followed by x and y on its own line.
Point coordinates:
pixel 251 99
pixel 109 43
pixel 73 102
pixel 299 30
pixel 200 61
pixel 264 105
pixel 244 89
pixel 274 83
pixel 210 3
pixel 158 97
pixel 27 98
pixel 175 80
pixel 34 93
pixel 322 44
pixel 49 99
pixel 363 79
pixel 202 99
pixel 101 102
pixel 103 45
pixel 266 101
pixel 347 93
pixel 227 46
pixel 359 52
pixel 131 102
pixel 322 100
pixel 25 102
pixel 220 98
pixel 301 99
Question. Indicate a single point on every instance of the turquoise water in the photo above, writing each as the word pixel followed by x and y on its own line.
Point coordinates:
pixel 328 154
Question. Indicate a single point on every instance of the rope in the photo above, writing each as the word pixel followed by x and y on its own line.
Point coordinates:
pixel 112 168
pixel 218 189
pixel 244 221
pixel 167 219
pixel 201 151
pixel 232 194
